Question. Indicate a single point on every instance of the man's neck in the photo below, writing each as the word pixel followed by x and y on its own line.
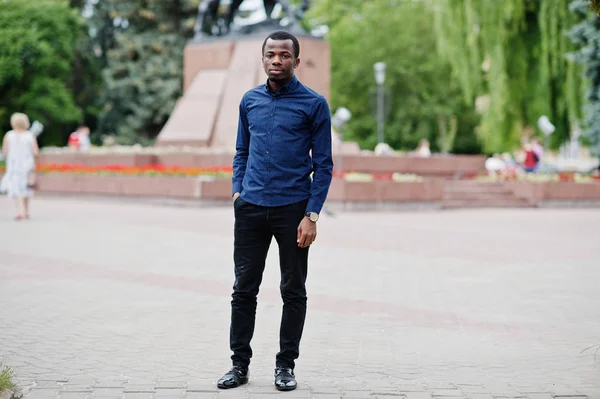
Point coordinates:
pixel 277 85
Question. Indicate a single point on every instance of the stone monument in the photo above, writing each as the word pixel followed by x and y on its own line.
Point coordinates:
pixel 223 61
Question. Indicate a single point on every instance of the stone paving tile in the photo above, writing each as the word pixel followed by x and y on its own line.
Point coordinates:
pixel 42 394
pixel 438 392
pixel 137 396
pixel 132 388
pixel 170 384
pixel 169 395
pixel 107 392
pixel 74 394
pixel 107 384
pixel 132 300
pixel 232 394
pixel 201 395
pixel 418 395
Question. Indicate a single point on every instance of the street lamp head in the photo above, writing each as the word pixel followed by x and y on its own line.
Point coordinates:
pixel 341 117
pixel 379 72
pixel 343 114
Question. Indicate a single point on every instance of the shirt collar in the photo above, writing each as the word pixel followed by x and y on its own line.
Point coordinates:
pixel 289 86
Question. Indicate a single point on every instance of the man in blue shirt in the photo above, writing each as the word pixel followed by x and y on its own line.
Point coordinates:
pixel 284 137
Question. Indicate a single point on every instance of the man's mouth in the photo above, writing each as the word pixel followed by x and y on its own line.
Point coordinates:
pixel 276 70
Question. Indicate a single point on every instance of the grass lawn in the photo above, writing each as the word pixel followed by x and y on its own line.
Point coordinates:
pixel 6 378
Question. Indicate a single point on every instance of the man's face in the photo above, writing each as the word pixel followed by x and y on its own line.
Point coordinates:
pixel 279 61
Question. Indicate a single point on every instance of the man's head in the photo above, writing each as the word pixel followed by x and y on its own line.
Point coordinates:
pixel 280 56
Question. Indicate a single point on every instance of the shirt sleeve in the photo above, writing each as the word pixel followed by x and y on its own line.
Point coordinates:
pixel 242 146
pixel 321 156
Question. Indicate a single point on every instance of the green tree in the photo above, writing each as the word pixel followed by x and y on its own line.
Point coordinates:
pixel 142 84
pixel 330 12
pixel 510 54
pixel 37 48
pixel 586 35
pixel 142 43
pixel 423 99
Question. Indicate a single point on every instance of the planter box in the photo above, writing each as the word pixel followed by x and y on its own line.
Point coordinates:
pixel 437 165
pixel 71 183
pixel 441 166
pixel 195 160
pixel 385 191
pixel 556 190
pixel 206 187
pixel 377 191
pixel 76 158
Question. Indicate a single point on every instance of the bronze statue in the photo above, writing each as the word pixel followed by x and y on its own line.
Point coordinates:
pixel 215 20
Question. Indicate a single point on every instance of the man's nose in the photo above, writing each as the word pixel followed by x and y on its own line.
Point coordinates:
pixel 277 60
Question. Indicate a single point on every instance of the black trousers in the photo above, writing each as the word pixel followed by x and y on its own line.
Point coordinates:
pixel 255 226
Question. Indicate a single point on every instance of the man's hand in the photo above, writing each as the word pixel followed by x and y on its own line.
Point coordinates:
pixel 235 195
pixel 307 232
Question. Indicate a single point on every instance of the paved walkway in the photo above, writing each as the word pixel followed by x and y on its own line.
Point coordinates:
pixel 105 299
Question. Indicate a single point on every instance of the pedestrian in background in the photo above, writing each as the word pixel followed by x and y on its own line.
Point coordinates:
pixel 20 149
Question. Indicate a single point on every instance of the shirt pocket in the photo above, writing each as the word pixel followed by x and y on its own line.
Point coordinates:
pixel 295 129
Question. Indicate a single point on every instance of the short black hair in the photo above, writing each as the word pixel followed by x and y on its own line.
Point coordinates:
pixel 283 35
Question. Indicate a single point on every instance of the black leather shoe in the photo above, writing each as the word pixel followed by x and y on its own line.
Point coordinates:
pixel 284 379
pixel 235 377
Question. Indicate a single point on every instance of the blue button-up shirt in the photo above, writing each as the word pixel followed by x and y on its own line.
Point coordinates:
pixel 277 134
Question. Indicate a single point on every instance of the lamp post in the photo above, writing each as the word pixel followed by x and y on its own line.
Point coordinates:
pixel 340 118
pixel 380 79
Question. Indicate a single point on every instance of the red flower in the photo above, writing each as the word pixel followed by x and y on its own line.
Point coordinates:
pixel 157 169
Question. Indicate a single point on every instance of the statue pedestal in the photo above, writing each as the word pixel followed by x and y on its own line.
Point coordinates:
pixel 216 75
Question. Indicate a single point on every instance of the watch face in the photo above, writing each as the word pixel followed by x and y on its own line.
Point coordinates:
pixel 313 216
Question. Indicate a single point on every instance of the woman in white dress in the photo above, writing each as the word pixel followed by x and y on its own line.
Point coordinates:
pixel 20 149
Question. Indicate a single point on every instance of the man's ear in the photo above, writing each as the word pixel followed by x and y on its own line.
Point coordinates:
pixel 297 63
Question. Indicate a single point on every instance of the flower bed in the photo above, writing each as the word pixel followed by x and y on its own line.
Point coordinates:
pixel 226 171
pixel 368 177
pixel 149 170
pixel 439 166
pixel 534 177
pixel 214 171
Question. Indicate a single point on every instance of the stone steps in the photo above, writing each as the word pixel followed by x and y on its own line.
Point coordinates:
pixel 477 194
pixel 476 187
pixel 469 195
pixel 491 203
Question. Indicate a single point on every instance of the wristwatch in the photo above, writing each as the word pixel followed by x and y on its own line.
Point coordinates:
pixel 312 216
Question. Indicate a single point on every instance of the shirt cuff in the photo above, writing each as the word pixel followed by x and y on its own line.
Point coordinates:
pixel 236 188
pixel 314 206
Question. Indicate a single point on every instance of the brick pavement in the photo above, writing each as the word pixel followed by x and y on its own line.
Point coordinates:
pixel 103 299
